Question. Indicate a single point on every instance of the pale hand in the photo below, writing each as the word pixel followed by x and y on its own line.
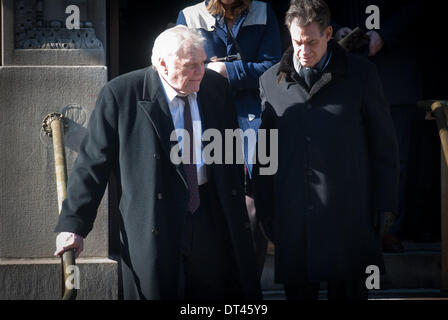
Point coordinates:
pixel 341 33
pixel 219 67
pixel 68 240
pixel 376 43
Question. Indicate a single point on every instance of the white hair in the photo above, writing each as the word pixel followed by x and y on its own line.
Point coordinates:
pixel 171 41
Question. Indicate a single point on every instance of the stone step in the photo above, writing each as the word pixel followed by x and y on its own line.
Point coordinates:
pixel 419 266
pixel 40 279
pixel 391 294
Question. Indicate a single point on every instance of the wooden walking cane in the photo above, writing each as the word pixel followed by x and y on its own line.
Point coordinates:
pixel 53 125
pixel 439 110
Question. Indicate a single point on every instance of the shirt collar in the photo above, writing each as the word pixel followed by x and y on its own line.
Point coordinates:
pixel 170 93
pixel 220 21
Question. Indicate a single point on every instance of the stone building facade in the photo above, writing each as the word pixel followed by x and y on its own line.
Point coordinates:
pixel 46 67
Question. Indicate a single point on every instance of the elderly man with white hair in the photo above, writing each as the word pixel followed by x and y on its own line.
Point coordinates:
pixel 184 228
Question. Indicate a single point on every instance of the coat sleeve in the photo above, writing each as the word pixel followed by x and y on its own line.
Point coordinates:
pixel 382 144
pixel 91 170
pixel 245 74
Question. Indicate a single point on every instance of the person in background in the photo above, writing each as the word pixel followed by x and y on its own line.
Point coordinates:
pixel 393 50
pixel 242 42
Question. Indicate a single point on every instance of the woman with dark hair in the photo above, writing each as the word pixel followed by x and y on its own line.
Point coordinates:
pixel 242 42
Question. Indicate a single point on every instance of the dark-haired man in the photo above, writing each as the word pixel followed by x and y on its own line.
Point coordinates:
pixel 338 162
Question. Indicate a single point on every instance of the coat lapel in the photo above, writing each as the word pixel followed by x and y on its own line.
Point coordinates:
pixel 156 108
pixel 201 112
pixel 206 99
pixel 220 29
pixel 239 24
pixel 322 82
pixel 201 98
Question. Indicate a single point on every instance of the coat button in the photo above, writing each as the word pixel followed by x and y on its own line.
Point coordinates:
pixel 159 196
pixel 234 192
pixel 308 138
pixel 310 207
pixel 155 231
pixel 247 225
pixel 156 156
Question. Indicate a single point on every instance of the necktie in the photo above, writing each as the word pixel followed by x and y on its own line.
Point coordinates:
pixel 190 167
pixel 310 75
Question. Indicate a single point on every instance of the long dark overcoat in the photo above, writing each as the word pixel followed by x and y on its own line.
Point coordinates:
pixel 129 133
pixel 338 161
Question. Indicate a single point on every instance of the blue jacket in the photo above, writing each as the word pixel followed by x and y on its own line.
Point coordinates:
pixel 257 33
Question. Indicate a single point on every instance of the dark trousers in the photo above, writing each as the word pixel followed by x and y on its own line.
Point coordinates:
pixel 402 116
pixel 354 289
pixel 260 242
pixel 208 268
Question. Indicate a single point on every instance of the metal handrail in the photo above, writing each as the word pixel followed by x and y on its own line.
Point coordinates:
pixel 439 109
pixel 54 125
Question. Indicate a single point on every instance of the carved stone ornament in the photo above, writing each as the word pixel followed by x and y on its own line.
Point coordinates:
pixel 33 32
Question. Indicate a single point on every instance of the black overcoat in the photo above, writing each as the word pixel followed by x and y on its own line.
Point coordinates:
pixel 129 134
pixel 338 161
